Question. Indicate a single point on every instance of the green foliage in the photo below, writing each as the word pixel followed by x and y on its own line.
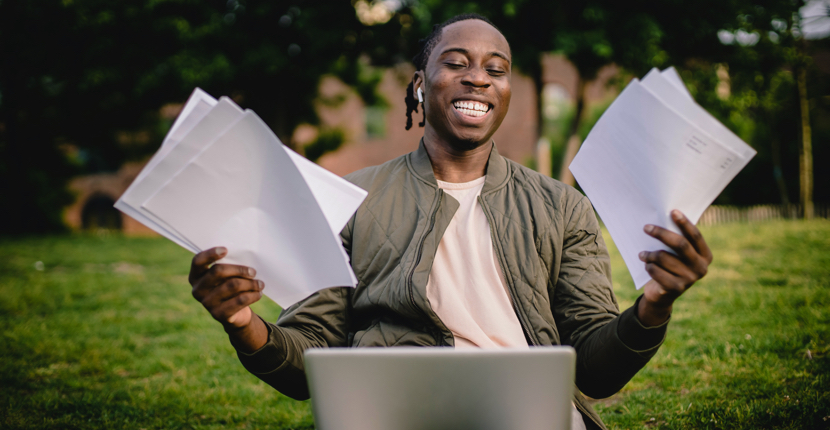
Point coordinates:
pixel 107 335
pixel 86 78
pixel 762 106
pixel 557 128
pixel 327 140
pixel 81 73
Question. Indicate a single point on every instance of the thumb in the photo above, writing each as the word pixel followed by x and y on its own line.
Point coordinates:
pixel 241 318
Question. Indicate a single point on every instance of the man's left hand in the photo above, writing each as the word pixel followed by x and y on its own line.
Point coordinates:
pixel 672 274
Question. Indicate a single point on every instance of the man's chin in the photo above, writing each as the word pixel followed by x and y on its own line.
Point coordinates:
pixel 469 143
pixel 464 145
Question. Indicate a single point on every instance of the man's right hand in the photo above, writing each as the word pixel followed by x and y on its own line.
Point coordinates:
pixel 225 290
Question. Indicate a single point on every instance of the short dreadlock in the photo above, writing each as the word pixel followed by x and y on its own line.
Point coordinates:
pixel 420 60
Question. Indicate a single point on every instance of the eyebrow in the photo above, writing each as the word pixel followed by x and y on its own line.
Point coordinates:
pixel 466 52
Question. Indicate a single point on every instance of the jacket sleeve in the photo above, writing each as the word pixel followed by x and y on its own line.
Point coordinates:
pixel 321 320
pixel 611 347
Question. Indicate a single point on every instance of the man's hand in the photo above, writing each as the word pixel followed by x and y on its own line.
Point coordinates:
pixel 225 290
pixel 672 275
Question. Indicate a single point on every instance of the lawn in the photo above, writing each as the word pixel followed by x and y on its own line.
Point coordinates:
pixel 101 332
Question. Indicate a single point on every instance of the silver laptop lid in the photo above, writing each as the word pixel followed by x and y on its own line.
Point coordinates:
pixel 441 388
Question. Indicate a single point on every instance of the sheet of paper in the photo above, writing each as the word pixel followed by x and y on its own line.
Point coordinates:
pixel 220 117
pixel 641 160
pixel 189 112
pixel 672 76
pixel 256 203
pixel 659 84
pixel 337 198
pixel 197 106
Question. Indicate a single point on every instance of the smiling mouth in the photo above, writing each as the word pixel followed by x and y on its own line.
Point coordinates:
pixel 471 108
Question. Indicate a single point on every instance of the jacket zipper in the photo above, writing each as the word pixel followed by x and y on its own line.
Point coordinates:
pixel 522 317
pixel 519 312
pixel 435 205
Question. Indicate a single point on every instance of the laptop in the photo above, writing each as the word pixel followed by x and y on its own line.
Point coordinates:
pixel 411 388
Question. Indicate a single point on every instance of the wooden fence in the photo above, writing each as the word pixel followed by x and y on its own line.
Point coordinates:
pixel 724 214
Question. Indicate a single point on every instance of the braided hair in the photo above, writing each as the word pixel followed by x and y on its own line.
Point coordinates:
pixel 420 60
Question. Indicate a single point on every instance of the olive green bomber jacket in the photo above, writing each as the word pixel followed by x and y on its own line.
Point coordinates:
pixel 549 246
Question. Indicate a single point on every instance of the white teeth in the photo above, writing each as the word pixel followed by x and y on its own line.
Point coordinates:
pixel 471 112
pixel 471 108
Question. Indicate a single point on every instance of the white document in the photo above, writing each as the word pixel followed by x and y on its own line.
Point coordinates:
pixel 681 101
pixel 245 192
pixel 221 117
pixel 652 151
pixel 337 198
pixel 196 107
pixel 673 77
pixel 291 269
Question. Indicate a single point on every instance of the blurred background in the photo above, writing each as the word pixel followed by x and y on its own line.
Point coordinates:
pixel 88 88
pixel 99 326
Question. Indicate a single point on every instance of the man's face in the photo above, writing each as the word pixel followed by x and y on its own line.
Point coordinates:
pixel 466 84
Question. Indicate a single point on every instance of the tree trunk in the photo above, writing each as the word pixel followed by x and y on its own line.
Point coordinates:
pixel 574 141
pixel 805 159
pixel 539 86
pixel 544 159
pixel 777 173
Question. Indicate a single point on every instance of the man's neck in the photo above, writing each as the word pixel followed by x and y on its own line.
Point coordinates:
pixel 450 164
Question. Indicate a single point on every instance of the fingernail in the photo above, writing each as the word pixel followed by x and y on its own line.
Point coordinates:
pixel 221 250
pixel 648 228
pixel 251 272
pixel 676 214
pixel 261 285
pixel 643 256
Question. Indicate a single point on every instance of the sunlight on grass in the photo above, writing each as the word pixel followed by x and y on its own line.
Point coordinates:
pixel 103 333
pixel 108 336
pixel 736 355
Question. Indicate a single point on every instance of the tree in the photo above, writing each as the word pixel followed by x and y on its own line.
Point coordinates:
pixel 636 35
pixel 88 77
pixel 769 66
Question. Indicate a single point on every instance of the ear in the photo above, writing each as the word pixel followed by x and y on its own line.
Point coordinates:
pixel 417 81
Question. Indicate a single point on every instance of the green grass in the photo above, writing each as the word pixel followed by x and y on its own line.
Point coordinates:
pixel 736 355
pixel 108 336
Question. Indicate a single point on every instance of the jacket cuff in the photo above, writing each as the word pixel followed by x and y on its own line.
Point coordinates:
pixel 267 359
pixel 635 335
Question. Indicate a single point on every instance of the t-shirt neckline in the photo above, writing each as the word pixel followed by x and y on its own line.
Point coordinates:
pixel 461 185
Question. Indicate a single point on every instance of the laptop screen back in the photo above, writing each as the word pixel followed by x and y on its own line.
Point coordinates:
pixel 441 388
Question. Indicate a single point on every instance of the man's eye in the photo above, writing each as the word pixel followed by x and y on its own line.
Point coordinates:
pixel 455 65
pixel 496 72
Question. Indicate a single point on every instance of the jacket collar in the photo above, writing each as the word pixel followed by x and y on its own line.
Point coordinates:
pixel 498 168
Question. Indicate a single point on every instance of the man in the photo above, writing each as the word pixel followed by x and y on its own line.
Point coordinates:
pixel 458 246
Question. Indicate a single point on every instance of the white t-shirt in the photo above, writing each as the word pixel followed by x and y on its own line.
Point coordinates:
pixel 466 288
pixel 465 285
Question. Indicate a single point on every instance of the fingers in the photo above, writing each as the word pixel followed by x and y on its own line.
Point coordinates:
pixel 692 234
pixel 669 286
pixel 672 274
pixel 203 260
pixel 225 290
pixel 229 289
pixel 683 247
pixel 219 274
pixel 229 308
pixel 670 263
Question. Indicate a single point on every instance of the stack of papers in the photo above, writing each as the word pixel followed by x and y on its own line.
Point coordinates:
pixel 222 178
pixel 652 151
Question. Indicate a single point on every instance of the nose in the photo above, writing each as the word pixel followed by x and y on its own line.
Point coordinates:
pixel 476 77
